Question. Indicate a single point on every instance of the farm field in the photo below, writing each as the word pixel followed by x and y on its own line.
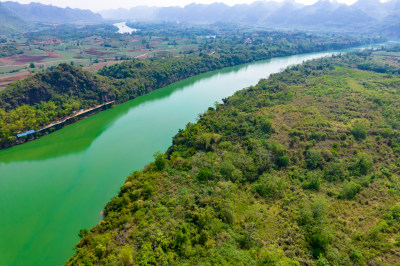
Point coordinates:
pixel 21 57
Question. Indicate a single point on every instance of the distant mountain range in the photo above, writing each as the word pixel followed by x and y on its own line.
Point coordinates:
pixel 9 21
pixel 363 15
pixel 16 16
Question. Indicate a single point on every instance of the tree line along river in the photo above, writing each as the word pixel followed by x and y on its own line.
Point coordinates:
pixel 52 187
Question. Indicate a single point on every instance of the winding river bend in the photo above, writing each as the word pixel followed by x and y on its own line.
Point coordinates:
pixel 52 187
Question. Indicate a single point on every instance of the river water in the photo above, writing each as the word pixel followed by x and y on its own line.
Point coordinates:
pixel 52 187
pixel 123 28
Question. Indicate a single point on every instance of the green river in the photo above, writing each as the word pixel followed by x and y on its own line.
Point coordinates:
pixel 52 187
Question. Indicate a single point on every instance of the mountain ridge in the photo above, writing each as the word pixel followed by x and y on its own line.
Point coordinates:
pixel 9 21
pixel 41 13
pixel 365 15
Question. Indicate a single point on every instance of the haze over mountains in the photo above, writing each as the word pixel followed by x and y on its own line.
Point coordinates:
pixel 362 15
pixel 14 14
pixel 9 21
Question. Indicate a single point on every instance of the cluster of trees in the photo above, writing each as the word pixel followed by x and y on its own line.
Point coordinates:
pixel 9 50
pixel 68 32
pixel 281 44
pixel 300 169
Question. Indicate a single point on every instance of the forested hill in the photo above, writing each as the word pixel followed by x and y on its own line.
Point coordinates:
pixel 38 100
pixel 302 168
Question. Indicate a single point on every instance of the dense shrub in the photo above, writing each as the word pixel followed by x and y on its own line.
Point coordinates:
pixel 350 190
pixel 359 131
pixel 204 174
pixel 271 186
pixel 314 159
pixel 313 181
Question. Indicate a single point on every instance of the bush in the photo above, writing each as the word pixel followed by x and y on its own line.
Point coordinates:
pixel 283 161
pixel 313 181
pixel 319 241
pixel 334 171
pixel 397 241
pixel 266 126
pixel 362 165
pixel 159 162
pixel 227 169
pixel 271 186
pixel 83 233
pixel 350 190
pixel 356 256
pixel 359 131
pixel 322 261
pixel 126 256
pixel 272 255
pixel 204 174
pixel 393 215
pixel 314 159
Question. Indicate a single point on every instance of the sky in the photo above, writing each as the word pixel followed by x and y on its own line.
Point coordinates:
pixel 98 5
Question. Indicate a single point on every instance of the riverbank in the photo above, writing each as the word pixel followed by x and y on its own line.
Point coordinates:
pixel 67 84
pixel 149 76
pixel 59 124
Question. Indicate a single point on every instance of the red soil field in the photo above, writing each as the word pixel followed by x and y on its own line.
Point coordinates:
pixel 5 81
pixel 18 60
pixel 97 66
pixel 138 50
pixel 94 52
pixel 53 54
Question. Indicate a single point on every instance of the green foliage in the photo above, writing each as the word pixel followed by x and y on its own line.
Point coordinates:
pixel 274 256
pixel 350 190
pixel 312 218
pixel 159 161
pixel 361 165
pixel 204 174
pixel 356 256
pixel 334 171
pixel 266 126
pixel 271 186
pixel 83 233
pixel 313 181
pixel 126 256
pixel 314 159
pixel 283 161
pixel 359 131
pixel 393 216
pixel 322 261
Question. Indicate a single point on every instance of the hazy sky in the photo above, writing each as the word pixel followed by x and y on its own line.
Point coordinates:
pixel 97 5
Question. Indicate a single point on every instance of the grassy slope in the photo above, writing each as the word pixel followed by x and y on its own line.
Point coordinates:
pixel 274 175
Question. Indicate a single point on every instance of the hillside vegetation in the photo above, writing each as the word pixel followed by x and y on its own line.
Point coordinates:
pixel 302 168
pixel 46 97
